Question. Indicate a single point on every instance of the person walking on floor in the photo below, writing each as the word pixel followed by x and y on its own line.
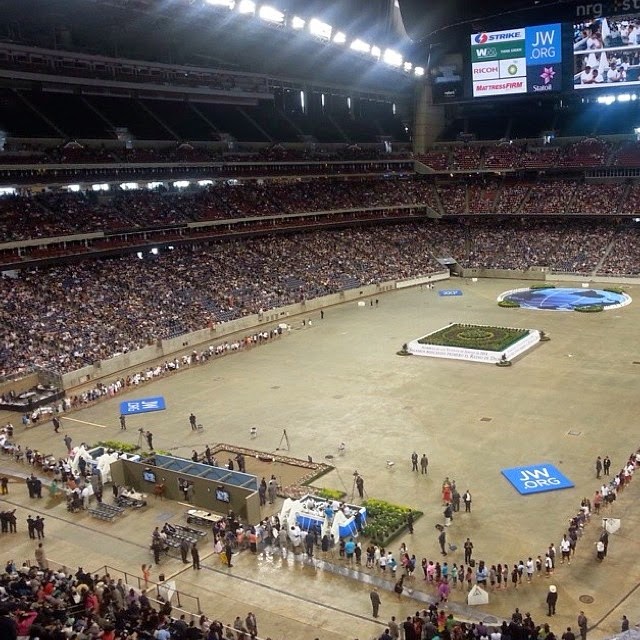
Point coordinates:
pixel 375 601
pixel 466 498
pixel 193 422
pixel 583 623
pixel 123 422
pixel 67 441
pixel 552 599
pixel 195 556
pixel 414 462
pixel 56 424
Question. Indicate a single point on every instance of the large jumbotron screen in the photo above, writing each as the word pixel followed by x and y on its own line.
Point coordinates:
pixel 606 52
pixel 517 61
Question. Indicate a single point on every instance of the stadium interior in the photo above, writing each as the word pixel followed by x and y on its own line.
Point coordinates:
pixel 217 161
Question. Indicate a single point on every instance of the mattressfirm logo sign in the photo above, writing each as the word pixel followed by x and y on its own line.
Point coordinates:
pixel 499 87
pixel 497 36
pixel 536 478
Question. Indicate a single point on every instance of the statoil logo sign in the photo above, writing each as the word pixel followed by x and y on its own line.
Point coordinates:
pixel 536 478
pixel 497 36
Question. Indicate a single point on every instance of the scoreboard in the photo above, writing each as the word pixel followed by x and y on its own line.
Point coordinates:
pixel 516 61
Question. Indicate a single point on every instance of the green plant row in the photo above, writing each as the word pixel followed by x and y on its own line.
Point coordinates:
pixel 619 290
pixel 468 336
pixel 329 494
pixel 509 304
pixel 542 286
pixel 118 445
pixel 589 308
pixel 386 521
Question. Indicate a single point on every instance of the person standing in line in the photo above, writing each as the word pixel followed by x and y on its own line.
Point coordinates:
pixel 375 601
pixel 228 553
pixel 598 466
pixel 123 422
pixel 252 624
pixel 414 462
pixel 568 635
pixel 466 498
pixel 195 556
pixel 624 625
pixel 448 515
pixel 394 628
pixel 424 464
pixel 192 422
pixel 442 539
pixel 583 623
pixel 4 485
pixel 468 550
pixel 552 600
pixel 38 525
pixel 606 465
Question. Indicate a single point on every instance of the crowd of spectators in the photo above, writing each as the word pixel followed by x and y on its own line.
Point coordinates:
pixel 67 316
pixel 567 246
pixel 61 213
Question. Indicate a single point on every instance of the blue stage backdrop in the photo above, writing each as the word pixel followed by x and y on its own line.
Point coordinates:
pixel 536 478
pixel 142 405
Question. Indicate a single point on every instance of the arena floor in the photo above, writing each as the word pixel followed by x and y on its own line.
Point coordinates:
pixel 340 380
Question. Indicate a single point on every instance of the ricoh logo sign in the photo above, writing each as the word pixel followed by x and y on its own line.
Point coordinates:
pixel 486 70
pixel 536 478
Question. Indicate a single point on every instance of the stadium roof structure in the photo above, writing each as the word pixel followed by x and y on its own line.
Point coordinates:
pixel 220 33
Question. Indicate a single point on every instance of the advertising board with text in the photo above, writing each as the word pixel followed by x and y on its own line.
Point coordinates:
pixel 516 61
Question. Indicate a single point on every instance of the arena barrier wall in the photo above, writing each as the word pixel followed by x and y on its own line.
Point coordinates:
pixel 165 349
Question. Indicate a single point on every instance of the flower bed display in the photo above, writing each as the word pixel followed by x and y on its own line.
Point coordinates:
pixel 386 521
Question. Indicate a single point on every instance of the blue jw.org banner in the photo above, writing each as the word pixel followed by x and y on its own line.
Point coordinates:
pixel 143 405
pixel 449 292
pixel 536 478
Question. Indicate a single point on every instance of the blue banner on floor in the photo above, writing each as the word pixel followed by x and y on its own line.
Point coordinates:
pixel 449 292
pixel 143 405
pixel 536 478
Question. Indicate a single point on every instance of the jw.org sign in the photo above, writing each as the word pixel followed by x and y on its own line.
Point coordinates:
pixel 536 478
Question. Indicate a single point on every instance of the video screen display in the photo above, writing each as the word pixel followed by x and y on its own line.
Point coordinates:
pixel 606 52
pixel 222 495
pixel 445 73
pixel 517 61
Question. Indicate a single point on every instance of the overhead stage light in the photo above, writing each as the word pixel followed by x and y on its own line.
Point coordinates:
pixel 340 38
pixel 247 6
pixel 271 14
pixel 297 23
pixel 376 52
pixel 361 46
pixel 392 58
pixel 419 71
pixel 320 29
pixel 222 3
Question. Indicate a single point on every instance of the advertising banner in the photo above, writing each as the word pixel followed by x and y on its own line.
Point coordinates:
pixel 536 478
pixel 143 405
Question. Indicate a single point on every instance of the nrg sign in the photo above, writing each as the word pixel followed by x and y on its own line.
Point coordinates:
pixel 536 478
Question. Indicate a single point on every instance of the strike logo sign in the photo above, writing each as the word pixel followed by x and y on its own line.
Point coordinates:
pixel 536 478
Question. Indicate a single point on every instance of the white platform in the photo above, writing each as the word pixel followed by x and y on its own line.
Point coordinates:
pixel 473 355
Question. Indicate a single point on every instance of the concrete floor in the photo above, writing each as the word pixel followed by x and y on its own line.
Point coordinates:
pixel 341 380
